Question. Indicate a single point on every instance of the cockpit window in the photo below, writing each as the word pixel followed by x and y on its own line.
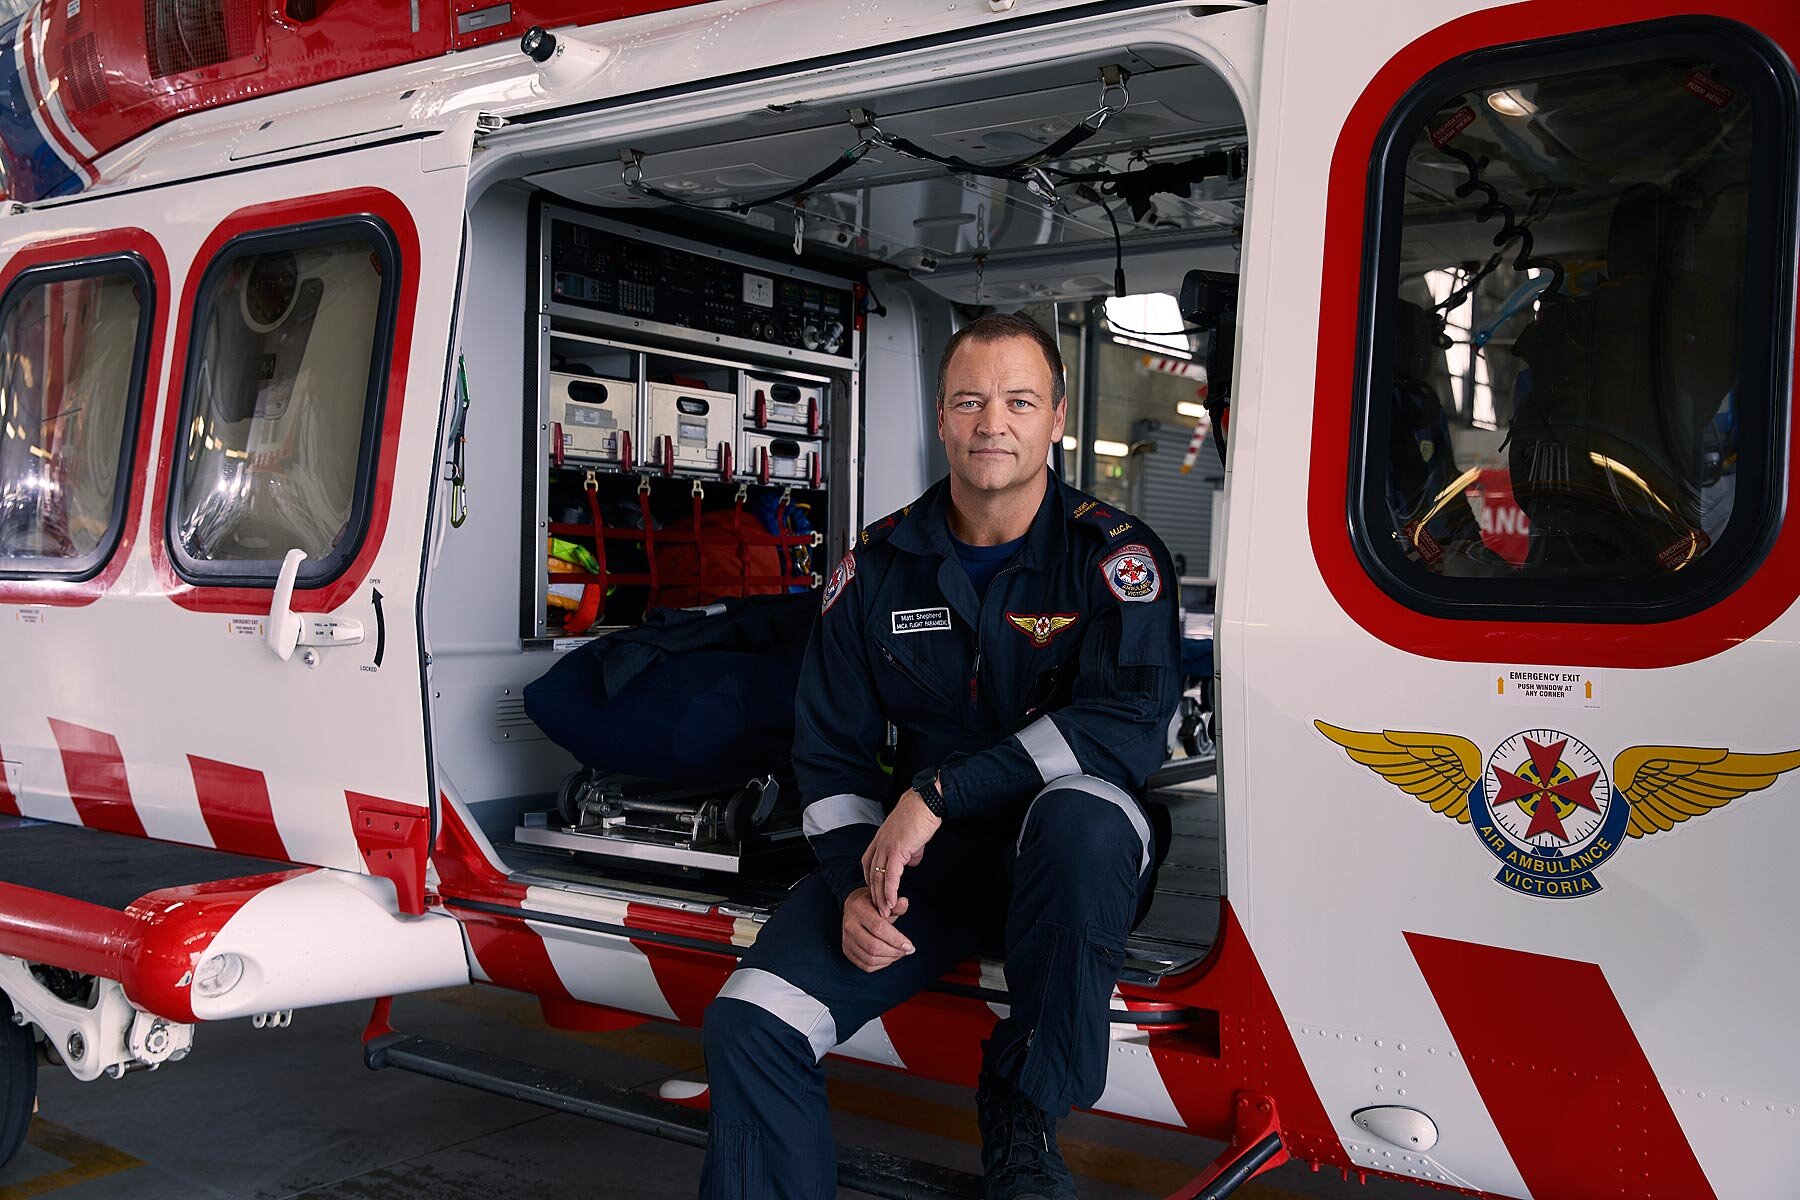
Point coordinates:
pixel 1574 370
pixel 287 358
pixel 73 340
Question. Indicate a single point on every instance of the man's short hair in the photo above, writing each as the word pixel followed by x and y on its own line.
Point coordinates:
pixel 993 328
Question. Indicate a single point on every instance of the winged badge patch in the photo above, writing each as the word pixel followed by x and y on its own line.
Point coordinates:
pixel 1546 806
pixel 1041 629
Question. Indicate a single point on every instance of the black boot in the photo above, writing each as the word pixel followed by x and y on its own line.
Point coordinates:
pixel 1019 1154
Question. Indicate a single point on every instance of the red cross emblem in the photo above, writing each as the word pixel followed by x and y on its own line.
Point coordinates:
pixel 1547 789
pixel 1132 574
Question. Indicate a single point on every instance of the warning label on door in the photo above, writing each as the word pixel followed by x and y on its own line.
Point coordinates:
pixel 1544 687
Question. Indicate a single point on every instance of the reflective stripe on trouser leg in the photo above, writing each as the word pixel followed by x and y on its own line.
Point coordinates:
pixel 1049 749
pixel 787 1003
pixel 770 1117
pixel 769 1130
pixel 1078 874
pixel 1106 791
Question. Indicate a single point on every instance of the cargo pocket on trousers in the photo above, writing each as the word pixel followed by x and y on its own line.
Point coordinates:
pixel 1065 1057
pixel 736 1165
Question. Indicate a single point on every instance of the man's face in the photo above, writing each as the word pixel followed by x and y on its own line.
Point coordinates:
pixel 996 419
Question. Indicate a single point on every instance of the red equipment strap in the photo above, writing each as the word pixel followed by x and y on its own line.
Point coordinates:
pixel 737 531
pixel 700 546
pixel 649 537
pixel 593 596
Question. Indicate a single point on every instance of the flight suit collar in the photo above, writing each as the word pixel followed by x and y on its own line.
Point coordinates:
pixel 925 529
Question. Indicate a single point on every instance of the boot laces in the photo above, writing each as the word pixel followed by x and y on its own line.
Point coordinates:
pixel 1023 1137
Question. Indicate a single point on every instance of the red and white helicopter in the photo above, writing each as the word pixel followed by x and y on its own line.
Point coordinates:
pixel 319 317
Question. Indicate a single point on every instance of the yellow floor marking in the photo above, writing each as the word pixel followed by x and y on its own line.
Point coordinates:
pixel 87 1160
pixel 1095 1160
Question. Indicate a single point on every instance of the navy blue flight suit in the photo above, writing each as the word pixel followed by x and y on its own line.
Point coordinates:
pixel 1043 706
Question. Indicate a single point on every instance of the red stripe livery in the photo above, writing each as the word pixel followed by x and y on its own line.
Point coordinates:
pixel 1534 1081
pixel 97 784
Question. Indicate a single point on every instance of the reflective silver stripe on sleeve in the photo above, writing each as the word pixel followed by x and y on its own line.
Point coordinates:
pixel 1106 791
pixel 1049 750
pixel 835 812
pixel 786 1003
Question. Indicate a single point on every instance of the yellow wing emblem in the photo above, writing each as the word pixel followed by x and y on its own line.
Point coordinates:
pixel 1437 768
pixel 1041 629
pixel 1668 784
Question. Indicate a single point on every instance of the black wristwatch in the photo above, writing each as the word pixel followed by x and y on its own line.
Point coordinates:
pixel 925 783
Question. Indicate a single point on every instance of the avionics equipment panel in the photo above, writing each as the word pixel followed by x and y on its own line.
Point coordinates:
pixel 641 281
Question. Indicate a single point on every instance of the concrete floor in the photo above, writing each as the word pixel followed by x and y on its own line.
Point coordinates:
pixel 270 1114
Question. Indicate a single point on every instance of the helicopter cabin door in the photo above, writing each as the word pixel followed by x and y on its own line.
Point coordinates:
pixel 222 640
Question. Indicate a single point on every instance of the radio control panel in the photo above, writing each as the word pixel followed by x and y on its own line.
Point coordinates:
pixel 596 267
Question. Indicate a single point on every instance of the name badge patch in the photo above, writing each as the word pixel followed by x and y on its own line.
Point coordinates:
pixel 921 620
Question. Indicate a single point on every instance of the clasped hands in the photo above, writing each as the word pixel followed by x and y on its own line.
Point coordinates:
pixel 870 939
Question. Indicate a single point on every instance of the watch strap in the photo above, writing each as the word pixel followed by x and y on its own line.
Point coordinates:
pixel 925 783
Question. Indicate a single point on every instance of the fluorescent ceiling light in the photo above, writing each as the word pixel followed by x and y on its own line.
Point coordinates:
pixel 1111 449
pixel 1070 443
pixel 1190 408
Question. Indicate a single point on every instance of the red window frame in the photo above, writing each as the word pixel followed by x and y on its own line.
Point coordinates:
pixel 1734 618
pixel 259 218
pixel 76 593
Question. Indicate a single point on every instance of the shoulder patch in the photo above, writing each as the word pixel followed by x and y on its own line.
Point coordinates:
pixel 841 575
pixel 879 531
pixel 1103 520
pixel 1132 574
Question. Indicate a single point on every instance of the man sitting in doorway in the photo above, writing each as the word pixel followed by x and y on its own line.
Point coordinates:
pixel 1024 641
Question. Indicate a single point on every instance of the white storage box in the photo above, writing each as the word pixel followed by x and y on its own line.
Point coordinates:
pixel 777 458
pixel 688 427
pixel 784 404
pixel 592 413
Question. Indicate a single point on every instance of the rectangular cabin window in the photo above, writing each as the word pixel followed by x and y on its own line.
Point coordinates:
pixel 287 363
pixel 1575 400
pixel 73 341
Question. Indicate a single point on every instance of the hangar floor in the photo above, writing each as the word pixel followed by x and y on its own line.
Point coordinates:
pixel 272 1114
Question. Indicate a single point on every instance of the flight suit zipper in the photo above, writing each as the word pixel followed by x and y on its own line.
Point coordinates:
pixel 971 714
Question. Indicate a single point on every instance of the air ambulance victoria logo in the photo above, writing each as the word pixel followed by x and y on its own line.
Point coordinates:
pixel 1546 810
pixel 1547 806
pixel 1131 574
pixel 841 576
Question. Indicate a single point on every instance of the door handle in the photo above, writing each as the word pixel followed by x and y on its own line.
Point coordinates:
pixel 284 623
pixel 287 629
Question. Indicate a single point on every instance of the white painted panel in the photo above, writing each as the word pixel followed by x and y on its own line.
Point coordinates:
pixel 603 968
